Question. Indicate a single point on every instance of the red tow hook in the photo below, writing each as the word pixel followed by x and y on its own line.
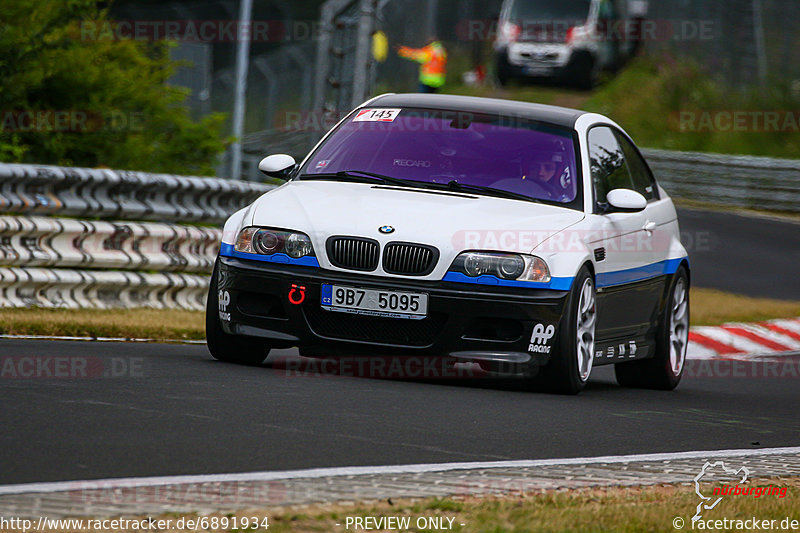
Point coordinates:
pixel 297 294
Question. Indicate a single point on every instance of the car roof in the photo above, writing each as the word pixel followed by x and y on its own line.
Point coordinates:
pixel 559 116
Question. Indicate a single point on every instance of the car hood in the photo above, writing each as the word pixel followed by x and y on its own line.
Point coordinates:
pixel 452 222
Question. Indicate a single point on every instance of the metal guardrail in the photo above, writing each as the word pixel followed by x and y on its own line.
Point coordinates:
pixel 101 289
pixel 66 242
pixel 55 261
pixel 741 181
pixel 101 193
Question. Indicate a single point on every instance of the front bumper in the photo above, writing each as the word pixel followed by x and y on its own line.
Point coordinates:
pixel 487 324
pixel 561 65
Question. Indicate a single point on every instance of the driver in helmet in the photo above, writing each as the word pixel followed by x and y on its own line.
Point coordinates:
pixel 554 176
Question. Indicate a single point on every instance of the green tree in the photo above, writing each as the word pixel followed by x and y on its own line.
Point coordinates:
pixel 73 94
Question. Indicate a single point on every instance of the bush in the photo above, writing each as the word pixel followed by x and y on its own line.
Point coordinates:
pixel 69 96
pixel 649 97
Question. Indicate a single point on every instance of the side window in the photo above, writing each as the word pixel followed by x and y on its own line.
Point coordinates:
pixel 607 163
pixel 643 181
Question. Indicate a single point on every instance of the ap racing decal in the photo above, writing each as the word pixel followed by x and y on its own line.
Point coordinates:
pixel 224 299
pixel 376 115
pixel 540 338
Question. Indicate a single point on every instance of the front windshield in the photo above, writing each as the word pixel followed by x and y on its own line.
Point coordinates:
pixel 441 148
pixel 541 10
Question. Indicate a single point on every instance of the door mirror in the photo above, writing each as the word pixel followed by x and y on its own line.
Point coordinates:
pixel 277 166
pixel 626 201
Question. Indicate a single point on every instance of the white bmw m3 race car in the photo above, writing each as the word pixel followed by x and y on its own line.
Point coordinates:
pixel 527 238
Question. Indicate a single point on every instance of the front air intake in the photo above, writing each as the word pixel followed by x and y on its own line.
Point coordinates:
pixel 353 253
pixel 409 259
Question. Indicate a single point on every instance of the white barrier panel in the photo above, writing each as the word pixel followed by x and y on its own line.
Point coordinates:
pixel 104 193
pixel 44 242
pixel 83 289
pixel 743 181
pixel 49 260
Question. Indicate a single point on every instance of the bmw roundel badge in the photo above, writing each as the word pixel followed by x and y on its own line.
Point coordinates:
pixel 386 229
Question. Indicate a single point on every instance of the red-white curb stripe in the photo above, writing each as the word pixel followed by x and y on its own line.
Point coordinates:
pixel 742 341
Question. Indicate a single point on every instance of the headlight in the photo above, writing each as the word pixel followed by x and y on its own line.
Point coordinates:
pixel 265 241
pixel 519 267
pixel 298 245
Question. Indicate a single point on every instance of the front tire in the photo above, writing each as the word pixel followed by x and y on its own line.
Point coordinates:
pixel 568 371
pixel 224 346
pixel 665 369
pixel 585 73
pixel 503 69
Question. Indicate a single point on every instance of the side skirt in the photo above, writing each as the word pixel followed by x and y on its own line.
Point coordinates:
pixel 628 316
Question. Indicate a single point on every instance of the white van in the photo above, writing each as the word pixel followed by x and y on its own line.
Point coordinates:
pixel 571 41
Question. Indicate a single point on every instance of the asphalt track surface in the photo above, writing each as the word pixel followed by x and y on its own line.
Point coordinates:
pixel 173 410
pixel 180 412
pixel 745 254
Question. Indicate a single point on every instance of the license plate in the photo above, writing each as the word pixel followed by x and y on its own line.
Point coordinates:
pixel 374 302
pixel 537 70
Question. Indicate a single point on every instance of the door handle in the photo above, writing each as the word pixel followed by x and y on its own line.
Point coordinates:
pixel 650 227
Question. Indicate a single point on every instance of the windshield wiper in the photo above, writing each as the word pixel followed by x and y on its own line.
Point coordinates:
pixel 489 191
pixel 361 175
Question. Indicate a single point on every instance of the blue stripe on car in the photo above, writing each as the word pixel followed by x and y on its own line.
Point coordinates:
pixel 558 284
pixel 619 277
pixel 227 250
pixel 604 279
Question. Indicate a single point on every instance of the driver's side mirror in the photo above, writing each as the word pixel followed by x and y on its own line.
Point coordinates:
pixel 625 201
pixel 277 166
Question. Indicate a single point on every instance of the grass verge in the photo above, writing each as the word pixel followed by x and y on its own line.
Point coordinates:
pixel 620 509
pixel 709 307
pixel 125 323
pixel 605 509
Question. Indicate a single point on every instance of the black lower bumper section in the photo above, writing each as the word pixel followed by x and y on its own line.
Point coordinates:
pixel 281 304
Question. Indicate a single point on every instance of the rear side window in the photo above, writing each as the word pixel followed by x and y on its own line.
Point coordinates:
pixel 643 181
pixel 607 162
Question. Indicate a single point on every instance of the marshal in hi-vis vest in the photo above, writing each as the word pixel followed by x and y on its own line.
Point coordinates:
pixel 434 62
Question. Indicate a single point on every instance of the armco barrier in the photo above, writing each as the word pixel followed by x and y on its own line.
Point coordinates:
pixel 113 194
pixel 92 238
pixel 65 242
pixel 741 181
pixel 100 289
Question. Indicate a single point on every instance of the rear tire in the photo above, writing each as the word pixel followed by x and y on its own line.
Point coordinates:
pixel 569 369
pixel 585 74
pixel 224 346
pixel 664 370
pixel 503 68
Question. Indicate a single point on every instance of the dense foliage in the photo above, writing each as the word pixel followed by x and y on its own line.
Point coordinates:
pixel 70 96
